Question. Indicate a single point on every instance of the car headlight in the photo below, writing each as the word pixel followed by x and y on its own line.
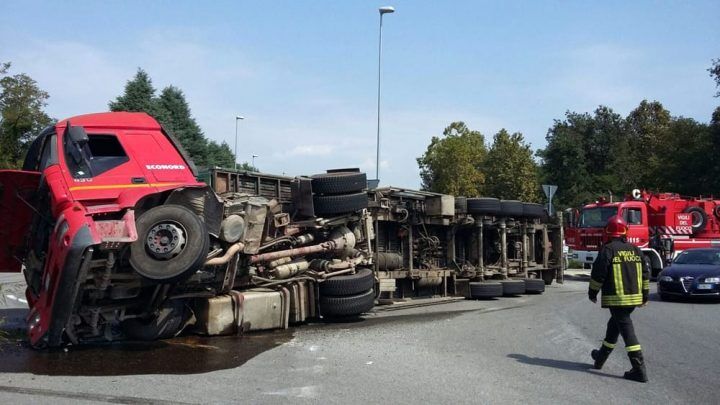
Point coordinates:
pixel 666 279
pixel 712 279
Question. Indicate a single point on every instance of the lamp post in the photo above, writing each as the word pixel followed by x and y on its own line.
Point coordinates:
pixel 382 10
pixel 237 118
pixel 253 162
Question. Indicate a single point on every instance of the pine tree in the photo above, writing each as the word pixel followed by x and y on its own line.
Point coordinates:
pixel 174 114
pixel 139 96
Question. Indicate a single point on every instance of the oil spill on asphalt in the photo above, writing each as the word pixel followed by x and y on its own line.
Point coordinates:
pixel 181 355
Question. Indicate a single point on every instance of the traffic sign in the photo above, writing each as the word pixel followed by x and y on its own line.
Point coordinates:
pixel 549 190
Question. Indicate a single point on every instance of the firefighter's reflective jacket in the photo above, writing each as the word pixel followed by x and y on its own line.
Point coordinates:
pixel 622 275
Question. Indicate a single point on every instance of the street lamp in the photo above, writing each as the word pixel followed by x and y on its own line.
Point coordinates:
pixel 237 118
pixel 253 162
pixel 382 10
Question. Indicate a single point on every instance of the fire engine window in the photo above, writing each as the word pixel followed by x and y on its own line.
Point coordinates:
pixel 102 153
pixel 632 216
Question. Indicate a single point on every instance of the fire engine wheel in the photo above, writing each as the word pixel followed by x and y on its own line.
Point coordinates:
pixel 339 183
pixel 486 206
pixel 353 305
pixel 486 290
pixel 351 284
pixel 511 208
pixel 699 219
pixel 339 204
pixel 513 287
pixel 166 323
pixel 172 243
pixel 534 286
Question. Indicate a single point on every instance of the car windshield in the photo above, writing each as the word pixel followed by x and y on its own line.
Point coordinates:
pixel 699 257
pixel 596 217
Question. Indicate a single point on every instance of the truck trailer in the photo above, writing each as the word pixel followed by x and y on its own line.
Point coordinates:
pixel 118 239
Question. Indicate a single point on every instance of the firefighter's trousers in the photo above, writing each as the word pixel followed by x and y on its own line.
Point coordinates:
pixel 621 324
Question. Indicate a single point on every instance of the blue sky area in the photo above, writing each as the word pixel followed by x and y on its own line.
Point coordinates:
pixel 304 73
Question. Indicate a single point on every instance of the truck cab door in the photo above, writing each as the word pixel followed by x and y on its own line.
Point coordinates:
pixel 637 220
pixel 17 190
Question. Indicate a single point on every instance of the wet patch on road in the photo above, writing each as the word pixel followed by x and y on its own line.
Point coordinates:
pixel 181 355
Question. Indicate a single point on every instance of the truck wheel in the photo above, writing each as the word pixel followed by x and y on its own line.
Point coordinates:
pixel 486 206
pixel 548 276
pixel 339 204
pixel 167 323
pixel 534 286
pixel 172 243
pixel 699 218
pixel 351 284
pixel 339 183
pixel 513 287
pixel 511 208
pixel 486 290
pixel 352 305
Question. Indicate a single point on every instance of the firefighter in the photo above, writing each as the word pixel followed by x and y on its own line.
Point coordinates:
pixel 623 277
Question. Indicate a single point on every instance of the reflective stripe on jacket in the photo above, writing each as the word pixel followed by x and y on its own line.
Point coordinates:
pixel 621 274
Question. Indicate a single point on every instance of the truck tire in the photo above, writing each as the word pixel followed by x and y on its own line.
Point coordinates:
pixel 486 290
pixel 532 210
pixel 167 323
pixel 339 204
pixel 699 218
pixel 534 286
pixel 172 243
pixel 350 284
pixel 513 287
pixel 485 206
pixel 548 276
pixel 338 183
pixel 511 208
pixel 352 305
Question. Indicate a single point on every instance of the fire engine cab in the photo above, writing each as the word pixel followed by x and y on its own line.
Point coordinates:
pixel 660 224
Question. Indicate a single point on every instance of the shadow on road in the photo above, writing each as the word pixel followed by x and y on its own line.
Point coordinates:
pixel 559 364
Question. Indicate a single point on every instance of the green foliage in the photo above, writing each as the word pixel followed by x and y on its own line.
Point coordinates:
pixel 174 114
pixel 172 110
pixel 453 164
pixel 511 173
pixel 715 74
pixel 21 115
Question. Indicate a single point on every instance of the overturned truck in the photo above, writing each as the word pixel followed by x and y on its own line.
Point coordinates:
pixel 117 239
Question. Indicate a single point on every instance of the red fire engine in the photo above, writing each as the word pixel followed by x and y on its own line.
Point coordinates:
pixel 661 224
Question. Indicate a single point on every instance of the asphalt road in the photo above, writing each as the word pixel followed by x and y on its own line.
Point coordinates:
pixel 529 349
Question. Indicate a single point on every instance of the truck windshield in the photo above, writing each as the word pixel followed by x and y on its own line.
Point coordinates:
pixel 596 217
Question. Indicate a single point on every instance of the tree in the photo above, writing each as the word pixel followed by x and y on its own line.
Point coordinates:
pixel 453 164
pixel 174 114
pixel 221 155
pixel 715 74
pixel 21 115
pixel 139 96
pixel 510 171
pixel 648 128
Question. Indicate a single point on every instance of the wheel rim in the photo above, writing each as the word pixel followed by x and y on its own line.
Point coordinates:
pixel 697 219
pixel 165 240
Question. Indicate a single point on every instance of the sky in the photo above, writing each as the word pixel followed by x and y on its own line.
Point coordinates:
pixel 304 73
